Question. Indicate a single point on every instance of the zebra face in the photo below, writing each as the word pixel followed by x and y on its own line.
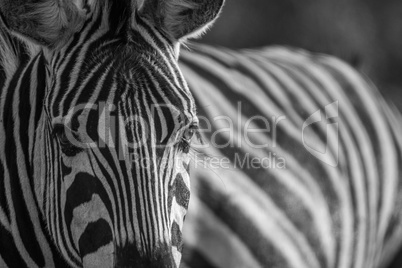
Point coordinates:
pixel 122 148
pixel 111 177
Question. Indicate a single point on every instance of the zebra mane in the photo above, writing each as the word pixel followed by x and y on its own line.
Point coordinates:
pixel 9 52
pixel 12 50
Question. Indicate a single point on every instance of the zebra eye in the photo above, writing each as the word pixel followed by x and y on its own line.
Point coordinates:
pixel 186 138
pixel 59 132
pixel 189 133
pixel 67 139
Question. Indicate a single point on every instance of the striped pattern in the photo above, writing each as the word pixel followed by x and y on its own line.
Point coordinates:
pixel 93 163
pixel 278 205
pixel 75 190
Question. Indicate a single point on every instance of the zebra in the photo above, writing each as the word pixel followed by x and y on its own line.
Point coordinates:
pixel 329 193
pixel 95 124
pixel 35 127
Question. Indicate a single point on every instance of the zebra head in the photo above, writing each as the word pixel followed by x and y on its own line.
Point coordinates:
pixel 111 174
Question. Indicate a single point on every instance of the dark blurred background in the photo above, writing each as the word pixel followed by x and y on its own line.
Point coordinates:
pixel 366 33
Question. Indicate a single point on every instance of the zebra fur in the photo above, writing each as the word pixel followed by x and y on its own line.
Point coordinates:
pixel 309 213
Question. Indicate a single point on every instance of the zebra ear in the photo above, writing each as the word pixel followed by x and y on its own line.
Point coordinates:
pixel 46 22
pixel 182 19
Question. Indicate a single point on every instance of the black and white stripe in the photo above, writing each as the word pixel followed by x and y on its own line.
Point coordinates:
pixel 73 192
pixel 95 119
pixel 306 213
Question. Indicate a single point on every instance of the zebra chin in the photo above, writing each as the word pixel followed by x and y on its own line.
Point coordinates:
pixel 99 250
pixel 110 256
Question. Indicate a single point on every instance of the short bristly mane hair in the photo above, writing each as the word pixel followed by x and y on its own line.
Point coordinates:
pixel 13 51
pixel 10 51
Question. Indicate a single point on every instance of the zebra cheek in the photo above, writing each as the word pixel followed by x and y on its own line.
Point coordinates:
pixel 89 221
pixel 93 235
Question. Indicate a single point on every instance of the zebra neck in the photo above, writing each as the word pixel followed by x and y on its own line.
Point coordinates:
pixel 21 98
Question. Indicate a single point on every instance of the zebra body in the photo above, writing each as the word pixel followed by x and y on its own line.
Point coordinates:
pixel 341 207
